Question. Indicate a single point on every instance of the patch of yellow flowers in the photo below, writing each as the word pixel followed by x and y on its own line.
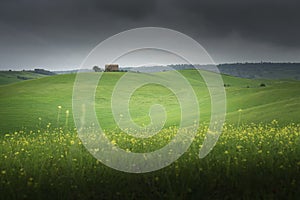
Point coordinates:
pixel 30 155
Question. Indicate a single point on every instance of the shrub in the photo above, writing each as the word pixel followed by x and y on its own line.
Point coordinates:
pixel 262 85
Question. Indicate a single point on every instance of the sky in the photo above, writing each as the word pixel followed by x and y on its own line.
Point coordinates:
pixel 59 34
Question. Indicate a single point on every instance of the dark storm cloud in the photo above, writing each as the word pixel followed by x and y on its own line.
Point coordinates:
pixel 272 21
pixel 20 11
pixel 61 32
pixel 133 9
pixel 44 27
pixel 51 17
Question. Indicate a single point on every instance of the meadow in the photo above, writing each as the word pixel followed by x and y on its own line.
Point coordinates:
pixel 256 157
pixel 7 77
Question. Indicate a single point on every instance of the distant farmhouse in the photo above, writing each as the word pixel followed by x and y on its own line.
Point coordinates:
pixel 112 68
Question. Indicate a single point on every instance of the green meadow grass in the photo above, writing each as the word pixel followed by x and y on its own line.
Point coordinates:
pixel 256 157
pixel 8 77
pixel 24 103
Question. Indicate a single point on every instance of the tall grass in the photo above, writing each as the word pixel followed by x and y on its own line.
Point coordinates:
pixel 249 161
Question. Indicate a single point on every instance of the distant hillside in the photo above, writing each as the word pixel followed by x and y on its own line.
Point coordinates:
pixel 8 77
pixel 72 71
pixel 162 68
pixel 262 70
pixel 243 70
pixel 27 101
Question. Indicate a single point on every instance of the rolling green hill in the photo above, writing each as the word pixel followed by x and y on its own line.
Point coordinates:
pixel 7 77
pixel 43 157
pixel 34 103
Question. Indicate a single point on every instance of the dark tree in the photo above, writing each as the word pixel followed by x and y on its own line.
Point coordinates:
pixel 96 69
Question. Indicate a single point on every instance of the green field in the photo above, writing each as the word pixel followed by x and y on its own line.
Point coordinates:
pixel 257 156
pixel 8 77
pixel 22 104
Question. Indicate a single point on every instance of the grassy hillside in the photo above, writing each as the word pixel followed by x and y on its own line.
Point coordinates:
pixel 47 160
pixel 34 103
pixel 7 77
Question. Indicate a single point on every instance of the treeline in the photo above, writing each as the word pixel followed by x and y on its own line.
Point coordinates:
pixel 267 70
pixel 37 71
pixel 261 64
pixel 43 71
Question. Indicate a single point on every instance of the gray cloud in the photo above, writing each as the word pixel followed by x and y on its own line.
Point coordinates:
pixel 133 9
pixel 59 33
pixel 276 22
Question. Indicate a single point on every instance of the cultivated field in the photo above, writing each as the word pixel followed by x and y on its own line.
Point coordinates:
pixel 257 155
